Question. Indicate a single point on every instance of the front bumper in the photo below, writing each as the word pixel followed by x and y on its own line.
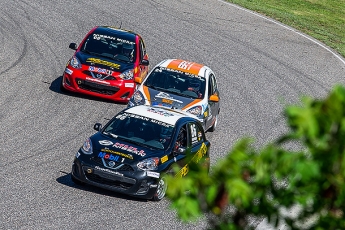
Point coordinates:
pixel 132 183
pixel 115 90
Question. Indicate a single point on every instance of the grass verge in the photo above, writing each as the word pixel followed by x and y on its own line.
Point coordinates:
pixel 323 20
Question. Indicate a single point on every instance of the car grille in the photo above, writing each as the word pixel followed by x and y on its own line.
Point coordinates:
pixel 106 181
pixel 124 167
pixel 98 75
pixel 96 87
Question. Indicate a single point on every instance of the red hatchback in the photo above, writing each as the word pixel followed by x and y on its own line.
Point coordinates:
pixel 105 64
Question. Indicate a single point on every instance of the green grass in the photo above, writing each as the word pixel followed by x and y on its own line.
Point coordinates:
pixel 322 19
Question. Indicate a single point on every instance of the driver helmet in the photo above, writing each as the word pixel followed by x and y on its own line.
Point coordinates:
pixel 128 49
pixel 194 84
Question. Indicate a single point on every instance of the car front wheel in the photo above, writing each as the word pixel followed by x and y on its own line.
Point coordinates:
pixel 161 190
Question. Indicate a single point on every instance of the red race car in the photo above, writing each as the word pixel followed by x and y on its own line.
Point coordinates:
pixel 105 64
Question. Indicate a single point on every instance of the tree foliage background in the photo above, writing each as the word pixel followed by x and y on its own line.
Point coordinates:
pixel 263 183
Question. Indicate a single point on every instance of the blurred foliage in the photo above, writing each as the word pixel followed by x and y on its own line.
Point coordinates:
pixel 304 168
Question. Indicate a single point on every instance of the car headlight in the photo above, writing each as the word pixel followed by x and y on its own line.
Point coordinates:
pixel 138 98
pixel 196 110
pixel 148 164
pixel 87 147
pixel 127 75
pixel 75 63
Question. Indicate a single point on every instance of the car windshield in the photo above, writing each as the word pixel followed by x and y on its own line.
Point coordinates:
pixel 176 82
pixel 140 130
pixel 111 47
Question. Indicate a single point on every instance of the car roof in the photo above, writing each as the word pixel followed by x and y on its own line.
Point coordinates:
pixel 169 116
pixel 108 30
pixel 185 66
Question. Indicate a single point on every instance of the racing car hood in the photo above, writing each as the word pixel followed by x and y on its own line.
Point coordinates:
pixel 119 150
pixel 103 62
pixel 169 100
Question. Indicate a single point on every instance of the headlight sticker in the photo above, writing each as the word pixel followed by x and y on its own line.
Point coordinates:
pixel 164 159
pixel 68 71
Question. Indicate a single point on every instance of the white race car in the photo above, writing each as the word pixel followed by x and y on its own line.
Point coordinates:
pixel 181 84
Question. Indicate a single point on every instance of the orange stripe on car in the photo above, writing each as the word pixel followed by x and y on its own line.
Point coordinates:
pixel 146 92
pixel 185 66
pixel 192 103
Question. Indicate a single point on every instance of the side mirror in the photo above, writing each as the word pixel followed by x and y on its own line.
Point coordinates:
pixel 73 46
pixel 145 62
pixel 138 80
pixel 214 98
pixel 97 127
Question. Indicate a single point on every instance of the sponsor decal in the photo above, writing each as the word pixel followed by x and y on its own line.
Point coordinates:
pixel 77 155
pixel 68 71
pixel 160 112
pixel 105 142
pixel 100 70
pixel 196 158
pixel 117 153
pixel 108 156
pixel 166 98
pixel 129 85
pixel 152 174
pixel 97 80
pixel 103 62
pixel 130 149
pixel 99 36
pixel 108 170
pixel 193 134
pixel 164 159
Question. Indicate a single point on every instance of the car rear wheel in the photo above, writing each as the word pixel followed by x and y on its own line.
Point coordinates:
pixel 213 127
pixel 161 190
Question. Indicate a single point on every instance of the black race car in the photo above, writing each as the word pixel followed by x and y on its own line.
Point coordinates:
pixel 134 150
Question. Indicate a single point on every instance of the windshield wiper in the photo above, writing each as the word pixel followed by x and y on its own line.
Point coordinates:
pixel 110 134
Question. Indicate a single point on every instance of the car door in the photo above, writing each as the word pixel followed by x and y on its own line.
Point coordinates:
pixel 213 106
pixel 196 148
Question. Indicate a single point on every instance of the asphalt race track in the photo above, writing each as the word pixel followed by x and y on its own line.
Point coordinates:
pixel 261 66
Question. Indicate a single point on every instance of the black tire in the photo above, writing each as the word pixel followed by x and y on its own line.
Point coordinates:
pixel 75 181
pixel 161 190
pixel 213 127
pixel 62 89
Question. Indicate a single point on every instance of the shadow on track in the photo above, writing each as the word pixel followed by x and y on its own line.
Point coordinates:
pixel 55 87
pixel 66 180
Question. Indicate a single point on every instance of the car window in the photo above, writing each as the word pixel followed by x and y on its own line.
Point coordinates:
pixel 181 140
pixel 214 83
pixel 210 85
pixel 141 130
pixel 142 49
pixel 110 47
pixel 176 82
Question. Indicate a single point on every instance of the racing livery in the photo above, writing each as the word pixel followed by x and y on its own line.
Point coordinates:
pixel 106 63
pixel 184 85
pixel 135 149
